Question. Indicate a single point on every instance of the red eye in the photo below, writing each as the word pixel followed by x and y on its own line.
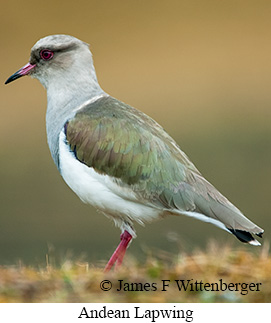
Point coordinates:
pixel 46 54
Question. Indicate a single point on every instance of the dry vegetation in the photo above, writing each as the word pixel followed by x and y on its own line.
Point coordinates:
pixel 76 281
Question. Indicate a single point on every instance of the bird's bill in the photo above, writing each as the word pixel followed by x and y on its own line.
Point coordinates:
pixel 25 70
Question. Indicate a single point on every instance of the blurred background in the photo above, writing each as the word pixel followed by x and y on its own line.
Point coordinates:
pixel 202 69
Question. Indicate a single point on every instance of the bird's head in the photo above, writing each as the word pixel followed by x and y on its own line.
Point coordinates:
pixel 54 56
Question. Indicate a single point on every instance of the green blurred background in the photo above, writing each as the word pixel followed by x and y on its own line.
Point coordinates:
pixel 202 69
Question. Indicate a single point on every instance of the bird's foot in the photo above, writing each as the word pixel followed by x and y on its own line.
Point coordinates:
pixel 119 253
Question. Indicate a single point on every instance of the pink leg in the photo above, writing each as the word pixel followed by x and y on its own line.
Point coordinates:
pixel 119 253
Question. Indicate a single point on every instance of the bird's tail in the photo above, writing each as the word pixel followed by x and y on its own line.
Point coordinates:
pixel 225 215
pixel 206 203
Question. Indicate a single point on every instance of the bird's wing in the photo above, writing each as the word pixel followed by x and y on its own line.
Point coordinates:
pixel 124 143
pixel 127 145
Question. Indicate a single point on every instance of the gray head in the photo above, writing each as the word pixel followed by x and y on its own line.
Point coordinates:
pixel 57 58
pixel 63 64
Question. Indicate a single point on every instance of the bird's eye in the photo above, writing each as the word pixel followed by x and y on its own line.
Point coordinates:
pixel 46 54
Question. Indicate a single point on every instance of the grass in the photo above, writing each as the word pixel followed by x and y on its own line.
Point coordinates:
pixel 77 281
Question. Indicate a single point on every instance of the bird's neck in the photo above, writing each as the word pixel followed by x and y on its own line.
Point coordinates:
pixel 70 88
pixel 64 97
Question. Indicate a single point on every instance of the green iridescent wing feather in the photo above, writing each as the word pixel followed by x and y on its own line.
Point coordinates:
pixel 124 143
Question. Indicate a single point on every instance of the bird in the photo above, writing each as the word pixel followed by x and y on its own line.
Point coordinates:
pixel 115 157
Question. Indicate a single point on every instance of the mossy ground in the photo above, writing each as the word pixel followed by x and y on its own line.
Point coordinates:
pixel 77 281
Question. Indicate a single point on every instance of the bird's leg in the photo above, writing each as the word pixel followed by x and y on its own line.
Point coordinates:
pixel 125 240
pixel 119 253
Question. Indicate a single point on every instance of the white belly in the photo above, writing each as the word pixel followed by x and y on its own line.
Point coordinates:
pixel 101 191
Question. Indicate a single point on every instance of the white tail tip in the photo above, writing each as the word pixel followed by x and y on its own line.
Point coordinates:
pixel 255 243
